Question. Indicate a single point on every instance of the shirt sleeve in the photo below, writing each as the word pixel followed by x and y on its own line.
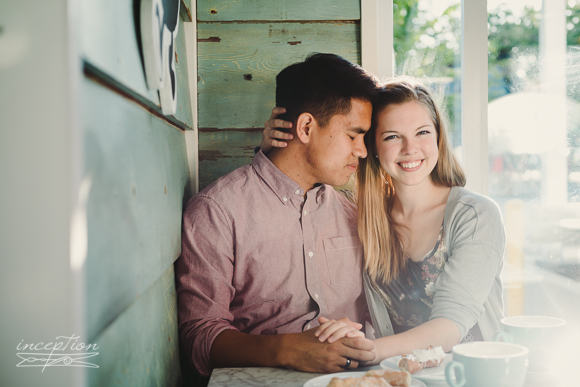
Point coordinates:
pixel 204 279
pixel 476 248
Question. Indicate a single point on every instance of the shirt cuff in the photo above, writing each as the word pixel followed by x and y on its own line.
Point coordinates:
pixel 203 342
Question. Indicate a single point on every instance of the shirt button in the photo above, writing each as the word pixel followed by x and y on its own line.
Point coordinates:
pixel 305 212
pixel 316 296
pixel 310 254
pixel 285 199
pixel 297 192
pixel 308 326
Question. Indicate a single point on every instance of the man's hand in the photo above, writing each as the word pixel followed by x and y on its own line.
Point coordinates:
pixel 272 137
pixel 305 352
pixel 299 351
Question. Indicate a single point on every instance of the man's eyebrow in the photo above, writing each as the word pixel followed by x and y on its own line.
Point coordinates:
pixel 358 130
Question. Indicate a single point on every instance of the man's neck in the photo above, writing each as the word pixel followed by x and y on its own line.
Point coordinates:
pixel 293 164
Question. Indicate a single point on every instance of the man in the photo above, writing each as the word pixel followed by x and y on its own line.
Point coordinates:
pixel 270 247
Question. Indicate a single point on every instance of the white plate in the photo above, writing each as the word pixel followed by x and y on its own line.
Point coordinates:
pixel 433 374
pixel 322 381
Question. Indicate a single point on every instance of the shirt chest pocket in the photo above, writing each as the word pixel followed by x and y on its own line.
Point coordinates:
pixel 343 258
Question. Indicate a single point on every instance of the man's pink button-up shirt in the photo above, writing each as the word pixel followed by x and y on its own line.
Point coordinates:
pixel 261 257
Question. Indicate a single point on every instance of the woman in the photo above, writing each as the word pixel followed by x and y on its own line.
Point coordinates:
pixel 433 250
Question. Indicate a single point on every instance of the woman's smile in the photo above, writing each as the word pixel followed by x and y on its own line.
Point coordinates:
pixel 410 166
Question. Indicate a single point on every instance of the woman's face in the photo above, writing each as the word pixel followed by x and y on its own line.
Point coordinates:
pixel 406 141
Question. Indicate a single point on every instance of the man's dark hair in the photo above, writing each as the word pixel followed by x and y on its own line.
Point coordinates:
pixel 323 86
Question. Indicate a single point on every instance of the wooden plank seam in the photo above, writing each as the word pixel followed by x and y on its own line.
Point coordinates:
pixel 94 73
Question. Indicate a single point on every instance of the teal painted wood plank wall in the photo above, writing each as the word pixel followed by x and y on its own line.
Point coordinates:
pixel 227 10
pixel 135 165
pixel 242 45
pixel 140 348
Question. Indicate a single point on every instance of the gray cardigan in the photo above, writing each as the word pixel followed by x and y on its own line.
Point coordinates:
pixel 469 289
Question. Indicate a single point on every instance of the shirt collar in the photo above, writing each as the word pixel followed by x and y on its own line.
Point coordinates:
pixel 286 189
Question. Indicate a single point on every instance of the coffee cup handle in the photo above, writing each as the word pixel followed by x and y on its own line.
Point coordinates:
pixel 455 374
pixel 504 336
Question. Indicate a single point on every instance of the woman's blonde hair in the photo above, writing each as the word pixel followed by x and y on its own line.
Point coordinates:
pixel 382 243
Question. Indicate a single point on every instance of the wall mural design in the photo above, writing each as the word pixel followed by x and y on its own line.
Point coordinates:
pixel 159 26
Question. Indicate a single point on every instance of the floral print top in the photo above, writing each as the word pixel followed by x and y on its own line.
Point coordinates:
pixel 409 298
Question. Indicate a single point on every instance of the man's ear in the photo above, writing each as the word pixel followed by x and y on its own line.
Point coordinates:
pixel 304 126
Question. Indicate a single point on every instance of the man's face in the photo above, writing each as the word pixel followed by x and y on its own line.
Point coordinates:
pixel 334 149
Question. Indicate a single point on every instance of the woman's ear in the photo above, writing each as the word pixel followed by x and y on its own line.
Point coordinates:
pixel 304 126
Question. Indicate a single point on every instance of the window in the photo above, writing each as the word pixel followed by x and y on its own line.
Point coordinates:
pixel 534 138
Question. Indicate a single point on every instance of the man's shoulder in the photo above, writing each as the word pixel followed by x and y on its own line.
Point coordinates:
pixel 223 190
pixel 344 199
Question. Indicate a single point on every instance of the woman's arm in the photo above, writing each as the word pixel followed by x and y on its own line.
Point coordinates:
pixel 468 290
pixel 437 332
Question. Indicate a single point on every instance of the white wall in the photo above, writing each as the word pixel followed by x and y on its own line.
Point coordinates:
pixel 38 169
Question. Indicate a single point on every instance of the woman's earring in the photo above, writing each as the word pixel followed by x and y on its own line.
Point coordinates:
pixel 377 156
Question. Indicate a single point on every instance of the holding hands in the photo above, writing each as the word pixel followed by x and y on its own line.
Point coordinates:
pixel 345 343
pixel 306 352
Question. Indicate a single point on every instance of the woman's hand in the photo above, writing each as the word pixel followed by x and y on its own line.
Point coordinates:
pixel 272 137
pixel 333 330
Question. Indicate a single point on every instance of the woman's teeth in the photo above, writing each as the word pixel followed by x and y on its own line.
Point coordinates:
pixel 410 165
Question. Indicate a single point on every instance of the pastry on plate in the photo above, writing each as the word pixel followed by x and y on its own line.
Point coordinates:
pixel 422 358
pixel 394 378
pixel 363 381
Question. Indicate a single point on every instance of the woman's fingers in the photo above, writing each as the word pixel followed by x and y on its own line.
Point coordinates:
pixel 272 136
pixel 344 331
pixel 332 331
pixel 355 333
pixel 324 325
pixel 276 111
pixel 280 135
pixel 278 144
pixel 278 123
pixel 353 324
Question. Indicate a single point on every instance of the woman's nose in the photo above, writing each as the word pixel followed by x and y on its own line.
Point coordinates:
pixel 409 146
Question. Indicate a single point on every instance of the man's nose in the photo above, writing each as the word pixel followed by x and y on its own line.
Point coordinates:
pixel 360 149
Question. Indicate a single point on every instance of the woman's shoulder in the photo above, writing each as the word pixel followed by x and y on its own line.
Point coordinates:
pixel 464 204
pixel 462 197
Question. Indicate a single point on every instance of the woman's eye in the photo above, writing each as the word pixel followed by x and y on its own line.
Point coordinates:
pixel 351 137
pixel 423 132
pixel 390 138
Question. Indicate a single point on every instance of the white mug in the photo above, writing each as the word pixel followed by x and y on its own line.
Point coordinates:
pixel 541 334
pixel 487 363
